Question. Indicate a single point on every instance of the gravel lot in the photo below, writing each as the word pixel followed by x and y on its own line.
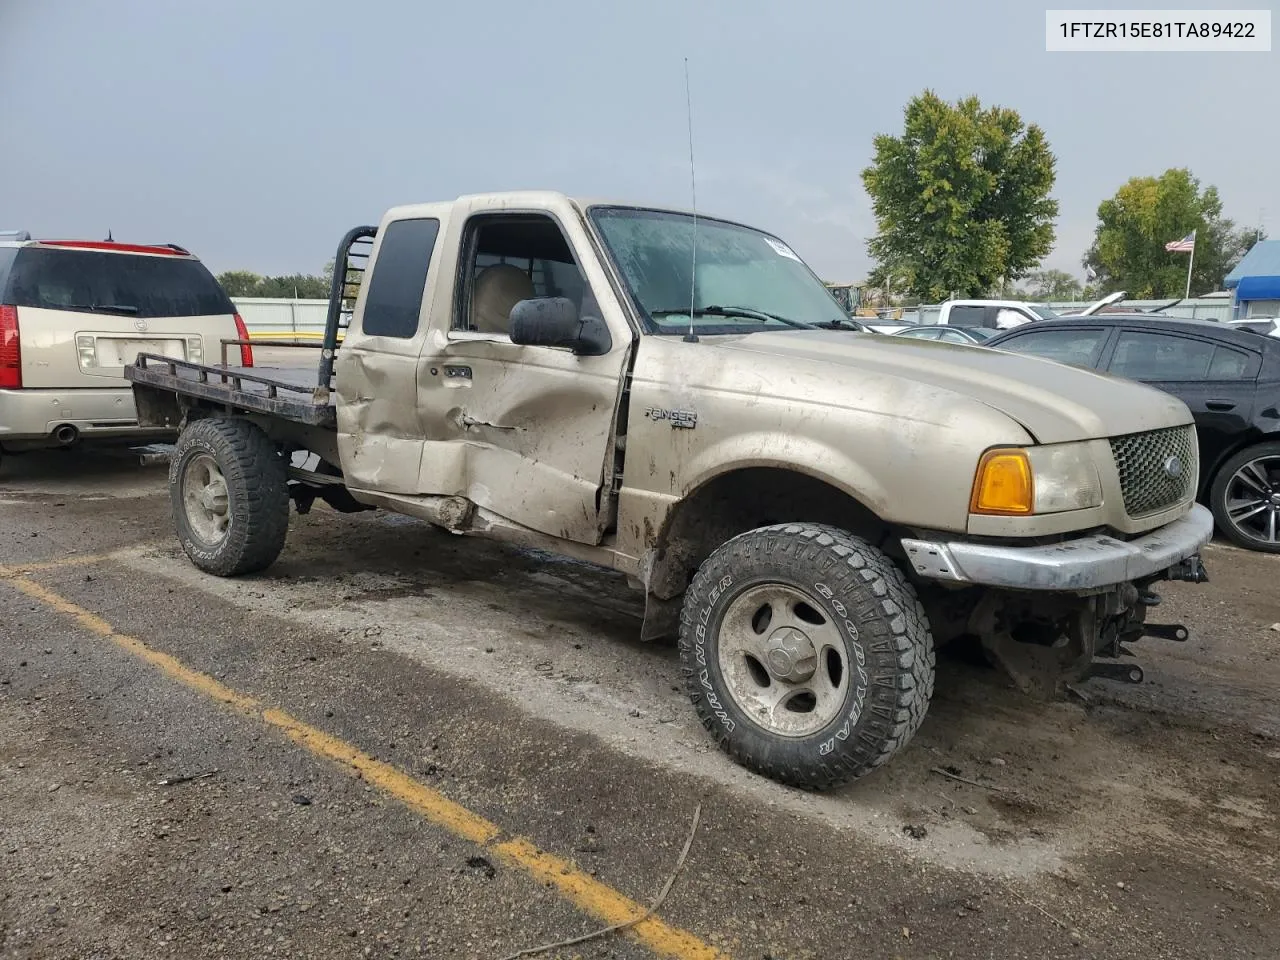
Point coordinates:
pixel 422 671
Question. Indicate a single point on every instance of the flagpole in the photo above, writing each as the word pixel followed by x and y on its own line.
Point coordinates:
pixel 1190 262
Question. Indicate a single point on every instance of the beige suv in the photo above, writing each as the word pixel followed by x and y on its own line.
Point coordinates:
pixel 73 313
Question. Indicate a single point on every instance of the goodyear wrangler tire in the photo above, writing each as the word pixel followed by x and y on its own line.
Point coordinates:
pixel 806 653
pixel 230 496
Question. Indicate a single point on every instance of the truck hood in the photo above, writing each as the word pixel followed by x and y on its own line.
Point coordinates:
pixel 1054 402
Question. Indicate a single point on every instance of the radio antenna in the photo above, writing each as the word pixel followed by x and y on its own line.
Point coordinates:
pixel 691 337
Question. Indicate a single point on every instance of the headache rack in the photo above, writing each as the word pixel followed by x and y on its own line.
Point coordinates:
pixel 349 266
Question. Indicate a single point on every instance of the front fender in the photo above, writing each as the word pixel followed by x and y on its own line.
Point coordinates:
pixel 797 454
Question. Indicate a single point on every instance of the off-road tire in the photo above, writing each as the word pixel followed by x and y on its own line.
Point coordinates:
pixel 257 496
pixel 877 614
pixel 1218 497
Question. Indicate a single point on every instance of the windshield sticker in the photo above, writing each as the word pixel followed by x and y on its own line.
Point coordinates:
pixel 780 248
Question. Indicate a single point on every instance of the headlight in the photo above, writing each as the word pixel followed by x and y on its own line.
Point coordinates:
pixel 1020 481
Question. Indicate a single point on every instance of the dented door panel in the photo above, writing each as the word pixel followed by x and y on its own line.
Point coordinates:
pixel 380 430
pixel 525 432
pixel 535 424
pixel 379 436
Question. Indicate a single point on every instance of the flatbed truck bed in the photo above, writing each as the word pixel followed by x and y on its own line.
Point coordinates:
pixel 299 395
pixel 290 393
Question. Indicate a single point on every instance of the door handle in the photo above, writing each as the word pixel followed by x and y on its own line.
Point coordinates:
pixel 1220 405
pixel 457 372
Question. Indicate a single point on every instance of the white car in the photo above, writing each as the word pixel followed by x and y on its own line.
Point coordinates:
pixel 992 314
pixel 74 312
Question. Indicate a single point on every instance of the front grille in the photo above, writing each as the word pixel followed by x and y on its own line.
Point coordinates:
pixel 1143 459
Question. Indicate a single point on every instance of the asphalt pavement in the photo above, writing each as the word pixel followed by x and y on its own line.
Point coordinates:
pixel 397 742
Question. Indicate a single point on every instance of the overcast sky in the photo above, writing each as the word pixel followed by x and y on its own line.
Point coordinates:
pixel 256 133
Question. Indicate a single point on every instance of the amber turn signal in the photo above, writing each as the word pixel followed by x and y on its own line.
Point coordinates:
pixel 1004 484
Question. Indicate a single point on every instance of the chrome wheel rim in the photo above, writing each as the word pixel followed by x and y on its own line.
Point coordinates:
pixel 205 499
pixel 784 661
pixel 1252 500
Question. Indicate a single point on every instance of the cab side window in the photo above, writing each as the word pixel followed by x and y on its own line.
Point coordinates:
pixel 399 278
pixel 514 257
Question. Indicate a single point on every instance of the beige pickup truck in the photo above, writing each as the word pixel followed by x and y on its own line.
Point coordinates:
pixel 813 510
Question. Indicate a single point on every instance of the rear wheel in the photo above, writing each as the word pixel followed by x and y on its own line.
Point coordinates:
pixel 806 654
pixel 230 496
pixel 1245 498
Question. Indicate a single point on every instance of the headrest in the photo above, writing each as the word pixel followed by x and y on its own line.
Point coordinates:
pixel 498 289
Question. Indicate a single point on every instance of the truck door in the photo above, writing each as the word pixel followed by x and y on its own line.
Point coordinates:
pixel 380 432
pixel 523 431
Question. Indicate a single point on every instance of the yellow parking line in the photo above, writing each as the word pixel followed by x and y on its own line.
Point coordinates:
pixel 578 887
pixel 8 571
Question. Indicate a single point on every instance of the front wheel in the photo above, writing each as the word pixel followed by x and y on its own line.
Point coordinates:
pixel 230 496
pixel 1245 498
pixel 806 654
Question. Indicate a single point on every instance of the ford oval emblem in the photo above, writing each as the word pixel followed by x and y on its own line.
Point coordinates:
pixel 1173 467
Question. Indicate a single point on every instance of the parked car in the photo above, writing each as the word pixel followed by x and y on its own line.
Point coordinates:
pixel 933 331
pixel 1229 378
pixel 73 313
pixel 991 314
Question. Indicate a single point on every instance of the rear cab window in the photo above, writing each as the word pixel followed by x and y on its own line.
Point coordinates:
pixel 399 279
pixel 140 285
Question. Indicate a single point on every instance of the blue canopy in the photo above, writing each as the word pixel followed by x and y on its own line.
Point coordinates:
pixel 1258 288
pixel 1262 261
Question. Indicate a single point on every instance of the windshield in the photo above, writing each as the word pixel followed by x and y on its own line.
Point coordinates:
pixel 1044 313
pixel 747 281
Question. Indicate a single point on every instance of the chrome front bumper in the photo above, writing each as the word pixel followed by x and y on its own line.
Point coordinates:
pixel 1083 564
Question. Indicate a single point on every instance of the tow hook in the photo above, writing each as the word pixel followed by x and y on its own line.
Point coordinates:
pixel 1190 570
pixel 1120 672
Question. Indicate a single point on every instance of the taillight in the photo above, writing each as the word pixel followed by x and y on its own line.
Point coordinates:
pixel 242 333
pixel 10 349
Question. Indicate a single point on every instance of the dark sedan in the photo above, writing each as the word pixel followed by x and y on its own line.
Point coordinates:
pixel 1229 378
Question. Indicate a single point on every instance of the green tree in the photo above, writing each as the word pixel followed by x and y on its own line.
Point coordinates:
pixel 1146 213
pixel 300 285
pixel 961 199
pixel 245 283
pixel 240 283
pixel 1053 285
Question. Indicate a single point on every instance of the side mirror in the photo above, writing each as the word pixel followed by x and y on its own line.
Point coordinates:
pixel 554 322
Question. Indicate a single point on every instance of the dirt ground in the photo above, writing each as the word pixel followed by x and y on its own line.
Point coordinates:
pixel 1141 822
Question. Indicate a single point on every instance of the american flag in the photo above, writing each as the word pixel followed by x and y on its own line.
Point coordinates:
pixel 1185 245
